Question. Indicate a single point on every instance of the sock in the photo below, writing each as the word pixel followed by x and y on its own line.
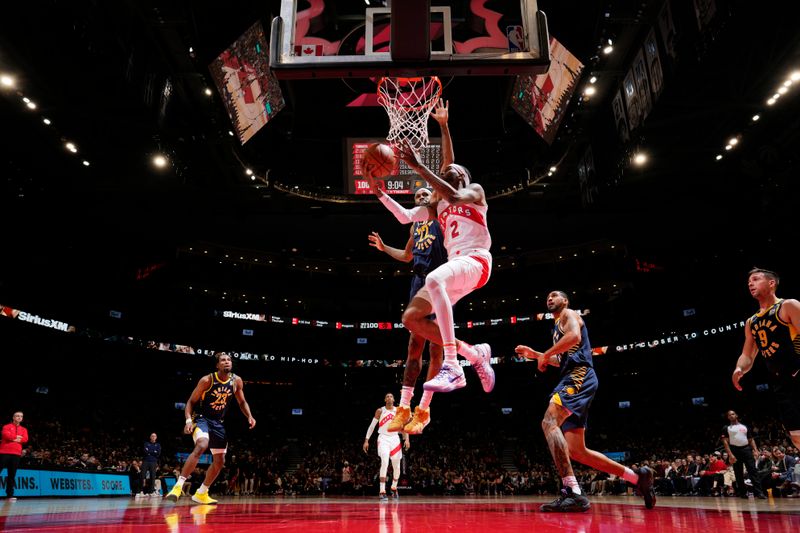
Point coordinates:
pixel 405 396
pixel 202 490
pixel 450 354
pixel 572 483
pixel 394 484
pixel 630 476
pixel 180 482
pixel 468 352
pixel 383 487
pixel 425 402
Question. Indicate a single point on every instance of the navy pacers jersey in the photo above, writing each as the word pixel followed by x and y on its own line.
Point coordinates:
pixel 215 400
pixel 428 252
pixel 578 355
pixel 777 342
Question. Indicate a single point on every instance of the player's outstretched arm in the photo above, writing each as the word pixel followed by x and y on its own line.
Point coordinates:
pixel 395 253
pixel 471 194
pixel 441 114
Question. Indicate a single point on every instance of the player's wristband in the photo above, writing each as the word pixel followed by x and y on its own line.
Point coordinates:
pixel 188 421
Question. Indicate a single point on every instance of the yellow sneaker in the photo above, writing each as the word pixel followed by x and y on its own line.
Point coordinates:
pixel 422 417
pixel 203 498
pixel 401 418
pixel 174 494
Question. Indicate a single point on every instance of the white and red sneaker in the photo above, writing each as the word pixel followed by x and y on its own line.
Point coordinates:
pixel 484 366
pixel 449 378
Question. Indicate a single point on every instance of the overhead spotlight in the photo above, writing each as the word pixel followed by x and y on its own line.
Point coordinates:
pixel 46 121
pixel 783 90
pixel 230 133
pixel 86 163
pixel 770 101
pixel 589 91
pixel 191 50
pixel 733 141
pixel 550 173
pixel 26 99
pixel 728 147
pixel 207 91
pixel 553 168
pixel 252 178
pixel 248 172
pixel 719 156
pixel 71 147
pixel 593 79
pixel 6 80
pixel 756 117
pixel 776 96
pixel 788 83
pixel 31 105
pixel 160 161
pixel 640 159
pixel 608 49
pixel 795 76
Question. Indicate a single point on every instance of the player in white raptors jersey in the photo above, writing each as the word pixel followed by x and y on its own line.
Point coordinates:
pixel 461 210
pixel 388 444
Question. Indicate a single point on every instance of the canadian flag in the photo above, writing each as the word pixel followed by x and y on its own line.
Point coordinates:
pixel 308 50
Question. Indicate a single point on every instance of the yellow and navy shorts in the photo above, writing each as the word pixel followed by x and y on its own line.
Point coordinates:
pixel 575 393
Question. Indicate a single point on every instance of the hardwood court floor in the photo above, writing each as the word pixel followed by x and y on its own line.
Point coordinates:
pixel 409 515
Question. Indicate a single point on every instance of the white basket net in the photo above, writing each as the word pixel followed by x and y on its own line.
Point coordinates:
pixel 409 102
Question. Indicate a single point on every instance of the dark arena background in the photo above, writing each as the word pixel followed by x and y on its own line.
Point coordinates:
pixel 170 191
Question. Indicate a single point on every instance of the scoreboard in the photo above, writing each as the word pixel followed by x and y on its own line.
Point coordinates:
pixel 402 180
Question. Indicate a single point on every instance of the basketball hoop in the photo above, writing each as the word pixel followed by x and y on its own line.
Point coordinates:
pixel 409 102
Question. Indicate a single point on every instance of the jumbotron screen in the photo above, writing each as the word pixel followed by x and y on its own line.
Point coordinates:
pixel 402 180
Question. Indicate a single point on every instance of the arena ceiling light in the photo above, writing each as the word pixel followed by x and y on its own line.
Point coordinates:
pixel 71 147
pixel 756 118
pixel 7 81
pixel 640 159
pixel 159 161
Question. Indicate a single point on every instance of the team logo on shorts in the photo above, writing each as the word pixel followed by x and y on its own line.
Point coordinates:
pixel 570 390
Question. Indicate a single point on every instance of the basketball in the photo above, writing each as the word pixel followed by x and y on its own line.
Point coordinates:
pixel 379 159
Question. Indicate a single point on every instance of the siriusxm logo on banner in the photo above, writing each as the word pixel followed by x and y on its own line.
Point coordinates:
pixel 46 322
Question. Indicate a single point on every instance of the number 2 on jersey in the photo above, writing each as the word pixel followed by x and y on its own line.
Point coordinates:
pixel 454 232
